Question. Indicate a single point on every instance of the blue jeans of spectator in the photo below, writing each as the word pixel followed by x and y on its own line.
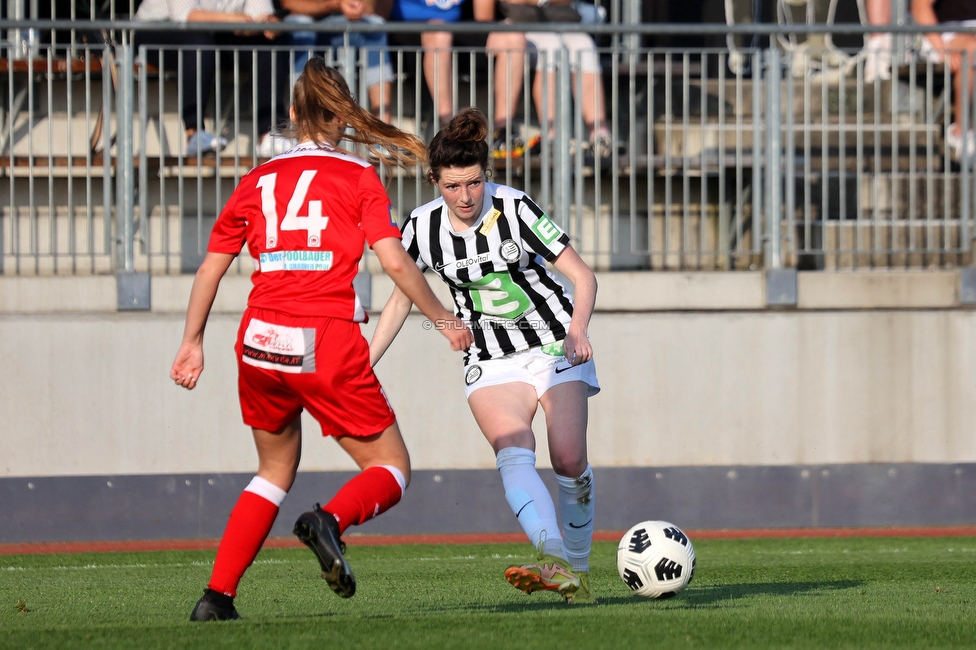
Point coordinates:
pixel 378 68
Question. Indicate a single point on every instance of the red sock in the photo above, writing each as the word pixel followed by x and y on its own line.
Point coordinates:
pixel 249 524
pixel 372 491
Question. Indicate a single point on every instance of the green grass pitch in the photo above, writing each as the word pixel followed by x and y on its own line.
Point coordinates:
pixel 768 593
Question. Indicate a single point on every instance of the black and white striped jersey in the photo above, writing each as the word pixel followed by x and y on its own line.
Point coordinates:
pixel 496 270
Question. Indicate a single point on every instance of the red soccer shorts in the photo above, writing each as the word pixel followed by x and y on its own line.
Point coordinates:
pixel 289 363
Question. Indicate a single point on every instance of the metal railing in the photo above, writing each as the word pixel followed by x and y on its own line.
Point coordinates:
pixel 720 159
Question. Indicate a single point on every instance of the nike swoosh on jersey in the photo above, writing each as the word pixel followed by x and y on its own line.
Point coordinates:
pixel 465 262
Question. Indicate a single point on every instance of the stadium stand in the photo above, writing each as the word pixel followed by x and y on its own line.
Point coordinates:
pixel 862 178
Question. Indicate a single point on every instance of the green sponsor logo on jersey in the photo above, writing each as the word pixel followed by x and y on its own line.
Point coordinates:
pixel 547 231
pixel 496 294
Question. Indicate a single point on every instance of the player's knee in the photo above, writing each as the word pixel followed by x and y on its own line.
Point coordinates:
pixel 569 463
pixel 399 461
pixel 405 471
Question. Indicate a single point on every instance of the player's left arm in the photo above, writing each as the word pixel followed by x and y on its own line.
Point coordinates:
pixel 576 345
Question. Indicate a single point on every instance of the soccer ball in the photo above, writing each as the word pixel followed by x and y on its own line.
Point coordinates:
pixel 655 559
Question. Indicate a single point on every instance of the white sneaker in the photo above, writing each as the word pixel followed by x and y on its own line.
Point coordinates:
pixel 957 147
pixel 271 145
pixel 203 143
pixel 877 58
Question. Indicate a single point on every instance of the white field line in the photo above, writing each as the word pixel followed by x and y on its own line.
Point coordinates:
pixel 177 565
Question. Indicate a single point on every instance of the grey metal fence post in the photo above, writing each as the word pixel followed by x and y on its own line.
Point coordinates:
pixel 781 284
pixel 109 99
pixel 631 15
pixel 142 187
pixel 124 167
pixel 966 169
pixel 774 145
pixel 22 43
pixel 562 185
pixel 347 65
pixel 132 289
pixel 967 186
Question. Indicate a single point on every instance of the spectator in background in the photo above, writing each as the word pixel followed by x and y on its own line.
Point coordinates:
pixel 877 64
pixel 338 13
pixel 200 76
pixel 507 48
pixel 950 47
pixel 583 60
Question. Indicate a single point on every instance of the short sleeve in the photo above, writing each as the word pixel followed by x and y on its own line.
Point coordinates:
pixel 258 8
pixel 179 10
pixel 376 213
pixel 230 231
pixel 410 243
pixel 539 232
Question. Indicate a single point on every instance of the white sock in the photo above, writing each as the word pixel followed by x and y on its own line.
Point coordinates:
pixel 267 489
pixel 529 499
pixel 576 509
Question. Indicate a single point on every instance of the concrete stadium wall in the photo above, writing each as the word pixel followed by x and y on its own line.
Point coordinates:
pixel 872 377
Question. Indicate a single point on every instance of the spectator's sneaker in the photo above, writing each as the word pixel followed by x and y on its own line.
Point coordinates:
pixel 603 146
pixel 319 531
pixel 877 58
pixel 583 595
pixel 960 147
pixel 549 573
pixel 270 145
pixel 214 606
pixel 503 148
pixel 202 143
pixel 534 146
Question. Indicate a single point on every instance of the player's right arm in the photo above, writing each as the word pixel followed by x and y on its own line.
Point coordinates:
pixel 189 359
pixel 404 272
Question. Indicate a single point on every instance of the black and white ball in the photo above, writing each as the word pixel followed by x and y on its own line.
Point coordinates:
pixel 655 559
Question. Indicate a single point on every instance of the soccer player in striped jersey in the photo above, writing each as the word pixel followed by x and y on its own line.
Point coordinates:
pixel 305 216
pixel 490 244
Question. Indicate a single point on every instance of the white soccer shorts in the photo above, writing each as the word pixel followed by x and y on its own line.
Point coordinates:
pixel 533 367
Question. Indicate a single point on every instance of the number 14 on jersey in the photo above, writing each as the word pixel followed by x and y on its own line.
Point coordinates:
pixel 314 223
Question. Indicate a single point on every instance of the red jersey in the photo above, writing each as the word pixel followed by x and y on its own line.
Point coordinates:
pixel 305 216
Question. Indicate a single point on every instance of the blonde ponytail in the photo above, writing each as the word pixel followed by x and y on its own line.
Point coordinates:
pixel 321 95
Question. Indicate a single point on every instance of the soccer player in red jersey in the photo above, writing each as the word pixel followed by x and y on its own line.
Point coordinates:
pixel 305 216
